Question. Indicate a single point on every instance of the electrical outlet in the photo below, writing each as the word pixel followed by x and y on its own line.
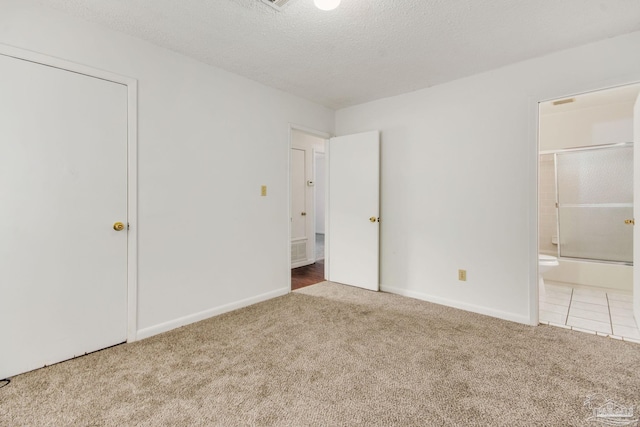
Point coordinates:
pixel 263 190
pixel 462 275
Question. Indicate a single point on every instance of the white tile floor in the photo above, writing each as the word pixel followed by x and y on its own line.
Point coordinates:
pixel 594 310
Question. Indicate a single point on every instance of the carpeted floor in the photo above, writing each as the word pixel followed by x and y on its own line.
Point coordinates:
pixel 332 355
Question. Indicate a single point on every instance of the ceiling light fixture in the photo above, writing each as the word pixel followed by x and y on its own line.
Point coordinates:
pixel 326 4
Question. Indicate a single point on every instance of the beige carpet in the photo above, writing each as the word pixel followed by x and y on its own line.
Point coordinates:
pixel 332 355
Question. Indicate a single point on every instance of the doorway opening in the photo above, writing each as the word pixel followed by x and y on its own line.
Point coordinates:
pixel 585 212
pixel 307 210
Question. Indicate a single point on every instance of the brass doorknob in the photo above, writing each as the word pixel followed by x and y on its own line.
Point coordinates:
pixel 630 221
pixel 372 219
pixel 118 226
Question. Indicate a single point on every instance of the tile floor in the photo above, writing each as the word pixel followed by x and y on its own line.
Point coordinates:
pixel 594 310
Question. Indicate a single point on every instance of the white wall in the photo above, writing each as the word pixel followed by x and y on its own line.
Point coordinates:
pixel 208 140
pixel 604 124
pixel 459 185
pixel 320 188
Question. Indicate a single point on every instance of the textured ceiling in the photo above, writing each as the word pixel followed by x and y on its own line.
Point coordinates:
pixel 365 49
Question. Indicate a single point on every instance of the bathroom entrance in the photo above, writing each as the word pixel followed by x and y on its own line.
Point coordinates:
pixel 586 222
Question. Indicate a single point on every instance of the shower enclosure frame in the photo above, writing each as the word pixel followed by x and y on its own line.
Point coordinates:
pixel 557 202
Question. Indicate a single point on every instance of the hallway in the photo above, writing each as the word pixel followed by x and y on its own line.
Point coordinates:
pixel 310 274
pixel 307 275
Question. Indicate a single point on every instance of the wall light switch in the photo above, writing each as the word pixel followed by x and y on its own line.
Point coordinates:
pixel 263 190
pixel 462 275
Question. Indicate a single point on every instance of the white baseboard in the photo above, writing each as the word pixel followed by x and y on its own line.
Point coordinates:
pixel 196 317
pixel 457 304
pixel 302 263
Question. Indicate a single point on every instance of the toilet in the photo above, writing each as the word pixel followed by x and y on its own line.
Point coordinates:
pixel 545 263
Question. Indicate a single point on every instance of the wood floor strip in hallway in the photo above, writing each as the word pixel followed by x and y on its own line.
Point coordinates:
pixel 307 275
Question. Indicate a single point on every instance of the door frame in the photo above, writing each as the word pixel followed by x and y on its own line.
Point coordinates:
pixel 319 134
pixel 132 162
pixel 534 101
pixel 314 155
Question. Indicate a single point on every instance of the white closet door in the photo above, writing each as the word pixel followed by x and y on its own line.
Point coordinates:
pixel 63 185
pixel 354 203
pixel 636 197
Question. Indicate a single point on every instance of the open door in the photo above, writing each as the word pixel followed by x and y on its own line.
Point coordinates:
pixel 353 205
pixel 636 198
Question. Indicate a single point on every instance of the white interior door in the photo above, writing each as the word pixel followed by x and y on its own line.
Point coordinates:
pixel 636 199
pixel 298 193
pixel 353 210
pixel 299 217
pixel 63 185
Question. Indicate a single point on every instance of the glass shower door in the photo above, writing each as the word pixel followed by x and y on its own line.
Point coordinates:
pixel 595 198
